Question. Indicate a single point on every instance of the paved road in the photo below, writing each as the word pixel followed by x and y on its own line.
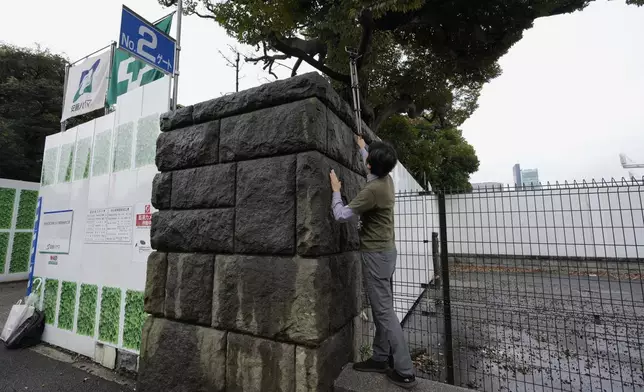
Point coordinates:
pixel 27 370
pixel 535 332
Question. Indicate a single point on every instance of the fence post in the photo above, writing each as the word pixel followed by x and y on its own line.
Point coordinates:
pixel 447 309
pixel 435 282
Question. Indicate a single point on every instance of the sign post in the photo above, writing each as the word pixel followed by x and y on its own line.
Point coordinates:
pixel 175 91
pixel 141 39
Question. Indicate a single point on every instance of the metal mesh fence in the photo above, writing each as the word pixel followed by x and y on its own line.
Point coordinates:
pixel 520 289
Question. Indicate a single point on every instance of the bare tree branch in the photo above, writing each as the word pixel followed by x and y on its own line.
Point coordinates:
pixel 290 51
pixel 367 23
pixel 269 60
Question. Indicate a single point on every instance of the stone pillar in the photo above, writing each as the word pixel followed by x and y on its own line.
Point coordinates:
pixel 253 285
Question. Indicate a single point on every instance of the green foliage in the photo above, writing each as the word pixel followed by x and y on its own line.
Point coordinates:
pixel 20 252
pixel 27 209
pixel 83 154
pixel 134 319
pixel 31 92
pixel 87 310
pixel 108 326
pixel 416 56
pixel 49 166
pixel 147 133
pixel 102 148
pixel 66 163
pixel 123 147
pixel 67 305
pixel 7 198
pixel 441 156
pixel 4 244
pixel 49 302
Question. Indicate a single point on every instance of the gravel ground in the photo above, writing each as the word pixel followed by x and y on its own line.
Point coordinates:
pixel 535 331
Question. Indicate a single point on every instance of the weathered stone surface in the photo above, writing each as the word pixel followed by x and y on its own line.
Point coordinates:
pixel 154 295
pixel 265 208
pixel 178 357
pixel 162 191
pixel 176 119
pixel 193 146
pixel 204 187
pixel 317 231
pixel 126 361
pixel 259 365
pixel 288 299
pixel 188 291
pixel 290 128
pixel 317 368
pixel 273 94
pixel 193 231
pixel 342 145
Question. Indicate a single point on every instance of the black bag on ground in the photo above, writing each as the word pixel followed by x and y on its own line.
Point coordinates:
pixel 29 332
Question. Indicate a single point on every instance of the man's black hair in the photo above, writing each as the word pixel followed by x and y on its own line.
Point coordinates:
pixel 382 158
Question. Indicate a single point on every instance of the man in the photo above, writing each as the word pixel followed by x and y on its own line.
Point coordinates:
pixel 375 206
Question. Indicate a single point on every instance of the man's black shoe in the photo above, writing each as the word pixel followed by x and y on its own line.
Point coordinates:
pixel 371 366
pixel 406 382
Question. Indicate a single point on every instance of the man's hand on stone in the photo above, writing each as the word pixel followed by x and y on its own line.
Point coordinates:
pixel 335 183
pixel 360 141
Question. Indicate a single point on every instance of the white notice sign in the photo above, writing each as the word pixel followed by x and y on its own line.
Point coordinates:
pixel 55 232
pixel 109 226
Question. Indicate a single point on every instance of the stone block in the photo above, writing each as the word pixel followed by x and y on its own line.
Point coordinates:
pixel 193 231
pixel 178 357
pixel 283 298
pixel 259 365
pixel 265 206
pixel 317 231
pixel 162 191
pixel 317 368
pixel 194 146
pixel 155 279
pixel 290 128
pixel 204 187
pixel 188 291
pixel 273 94
pixel 342 145
pixel 179 118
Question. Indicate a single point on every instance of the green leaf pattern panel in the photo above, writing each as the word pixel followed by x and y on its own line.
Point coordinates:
pixel 67 305
pixel 82 159
pixel 7 198
pixel 123 147
pixel 49 302
pixel 108 327
pixel 87 310
pixel 4 244
pixel 134 319
pixel 27 209
pixel 102 148
pixel 146 140
pixel 20 252
pixel 66 163
pixel 49 167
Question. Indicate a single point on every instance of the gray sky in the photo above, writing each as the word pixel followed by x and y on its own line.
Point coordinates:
pixel 570 99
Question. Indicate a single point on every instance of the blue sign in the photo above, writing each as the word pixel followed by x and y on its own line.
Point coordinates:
pixel 140 38
pixel 34 246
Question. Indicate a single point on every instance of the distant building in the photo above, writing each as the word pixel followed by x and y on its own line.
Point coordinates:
pixel 516 174
pixel 530 177
pixel 487 187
